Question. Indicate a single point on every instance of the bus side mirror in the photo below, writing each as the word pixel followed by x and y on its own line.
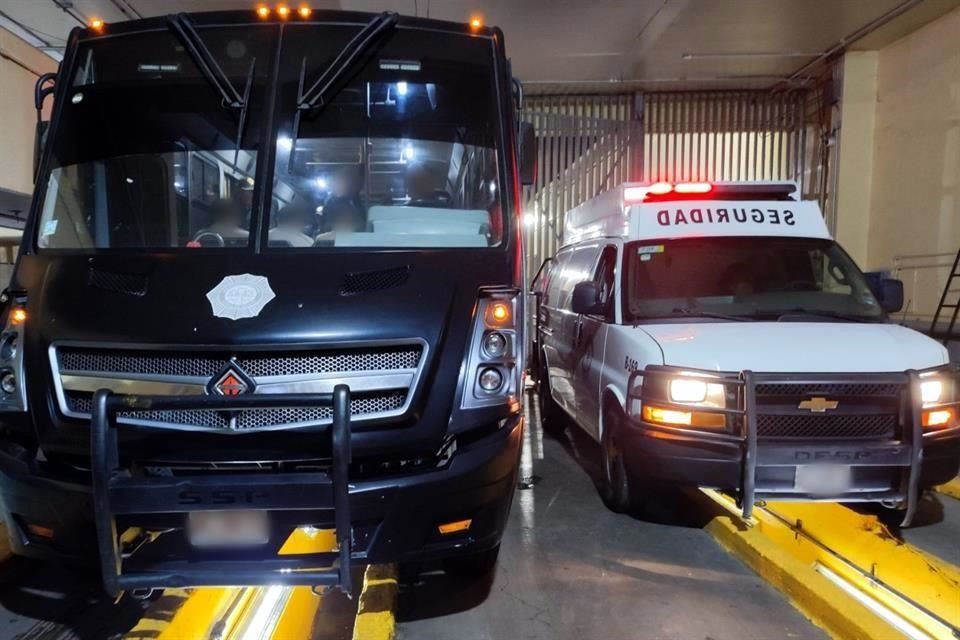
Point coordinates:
pixel 527 154
pixel 42 89
pixel 887 291
pixel 586 299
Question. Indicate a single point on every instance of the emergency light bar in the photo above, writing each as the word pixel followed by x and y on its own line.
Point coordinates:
pixel 639 211
pixel 659 191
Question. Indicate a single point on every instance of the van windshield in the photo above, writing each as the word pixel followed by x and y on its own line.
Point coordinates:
pixel 403 152
pixel 752 278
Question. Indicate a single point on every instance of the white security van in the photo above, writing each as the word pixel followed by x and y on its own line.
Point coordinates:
pixel 716 335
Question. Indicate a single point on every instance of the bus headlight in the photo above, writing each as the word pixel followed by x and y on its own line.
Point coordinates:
pixel 13 393
pixel 493 364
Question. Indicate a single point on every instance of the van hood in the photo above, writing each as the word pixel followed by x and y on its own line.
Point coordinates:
pixel 819 347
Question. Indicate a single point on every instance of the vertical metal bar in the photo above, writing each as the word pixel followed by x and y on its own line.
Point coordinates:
pixel 911 483
pixel 342 455
pixel 764 129
pixel 748 483
pixel 103 460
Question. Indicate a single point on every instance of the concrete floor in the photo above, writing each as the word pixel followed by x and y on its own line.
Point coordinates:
pixel 569 568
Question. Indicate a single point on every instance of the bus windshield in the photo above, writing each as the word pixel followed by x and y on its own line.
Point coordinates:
pixel 403 152
pixel 763 278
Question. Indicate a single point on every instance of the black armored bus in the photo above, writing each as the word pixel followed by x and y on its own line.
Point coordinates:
pixel 270 283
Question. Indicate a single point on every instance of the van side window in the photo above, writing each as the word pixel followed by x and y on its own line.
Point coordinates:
pixel 553 278
pixel 605 277
pixel 577 269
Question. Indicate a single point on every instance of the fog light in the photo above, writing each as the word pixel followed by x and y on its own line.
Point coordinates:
pixel 937 418
pixel 494 344
pixel 705 419
pixel 490 379
pixel 455 527
pixel 8 383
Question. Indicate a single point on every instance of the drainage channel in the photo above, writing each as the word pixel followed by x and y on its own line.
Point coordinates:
pixel 844 569
pixel 277 612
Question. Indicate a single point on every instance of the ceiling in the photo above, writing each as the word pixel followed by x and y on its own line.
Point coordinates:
pixel 592 45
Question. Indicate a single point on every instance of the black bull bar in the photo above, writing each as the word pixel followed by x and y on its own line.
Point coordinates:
pixel 116 492
pixel 905 452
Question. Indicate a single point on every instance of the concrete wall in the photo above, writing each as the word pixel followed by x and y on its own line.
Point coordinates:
pixel 857 129
pixel 899 167
pixel 20 64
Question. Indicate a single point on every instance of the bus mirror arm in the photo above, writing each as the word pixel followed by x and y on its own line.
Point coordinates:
pixel 527 154
pixel 44 87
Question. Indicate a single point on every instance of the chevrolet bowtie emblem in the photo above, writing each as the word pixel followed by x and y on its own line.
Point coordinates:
pixel 818 404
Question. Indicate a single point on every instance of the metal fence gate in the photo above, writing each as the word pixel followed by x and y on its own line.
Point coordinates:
pixel 587 144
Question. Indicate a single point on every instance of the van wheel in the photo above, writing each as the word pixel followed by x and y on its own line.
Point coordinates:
pixel 616 488
pixel 551 415
pixel 473 565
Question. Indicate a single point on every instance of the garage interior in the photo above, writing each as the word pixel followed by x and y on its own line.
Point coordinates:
pixel 855 101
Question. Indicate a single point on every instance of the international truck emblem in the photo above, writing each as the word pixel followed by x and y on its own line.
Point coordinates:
pixel 230 382
pixel 241 296
pixel 818 405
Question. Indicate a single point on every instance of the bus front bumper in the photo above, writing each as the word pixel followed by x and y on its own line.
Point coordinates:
pixel 49 513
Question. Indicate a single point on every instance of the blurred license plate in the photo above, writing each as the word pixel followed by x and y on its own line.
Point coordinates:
pixel 822 479
pixel 227 528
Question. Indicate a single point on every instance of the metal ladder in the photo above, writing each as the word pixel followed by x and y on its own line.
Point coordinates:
pixel 954 314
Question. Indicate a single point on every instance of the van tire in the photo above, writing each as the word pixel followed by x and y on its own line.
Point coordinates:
pixel 617 489
pixel 551 415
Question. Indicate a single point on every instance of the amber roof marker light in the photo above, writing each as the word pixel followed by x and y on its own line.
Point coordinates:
pixel 476 22
pixel 96 24
pixel 263 11
pixel 304 11
pixel 283 11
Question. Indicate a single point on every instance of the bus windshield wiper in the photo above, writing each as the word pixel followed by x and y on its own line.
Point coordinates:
pixel 230 98
pixel 362 43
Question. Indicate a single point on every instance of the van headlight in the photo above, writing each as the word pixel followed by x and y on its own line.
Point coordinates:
pixel 13 392
pixel 493 364
pixel 697 392
pixel 938 399
pixel 931 391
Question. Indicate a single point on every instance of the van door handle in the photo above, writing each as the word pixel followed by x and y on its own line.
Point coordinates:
pixel 579 331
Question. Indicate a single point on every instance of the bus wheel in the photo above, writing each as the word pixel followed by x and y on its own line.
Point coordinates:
pixel 616 489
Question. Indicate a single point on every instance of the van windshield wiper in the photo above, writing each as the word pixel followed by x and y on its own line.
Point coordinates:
pixel 836 315
pixel 362 43
pixel 690 313
pixel 230 98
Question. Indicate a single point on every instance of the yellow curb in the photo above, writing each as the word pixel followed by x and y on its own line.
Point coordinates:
pixel 865 543
pixel 951 489
pixel 376 619
pixel 820 600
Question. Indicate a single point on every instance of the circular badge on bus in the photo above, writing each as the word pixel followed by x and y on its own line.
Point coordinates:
pixel 241 296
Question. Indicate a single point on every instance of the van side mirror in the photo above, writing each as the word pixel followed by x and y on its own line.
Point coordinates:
pixel 527 154
pixel 586 299
pixel 891 295
pixel 887 291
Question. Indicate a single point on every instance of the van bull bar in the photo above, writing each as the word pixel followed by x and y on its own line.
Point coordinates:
pixel 118 492
pixel 735 428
